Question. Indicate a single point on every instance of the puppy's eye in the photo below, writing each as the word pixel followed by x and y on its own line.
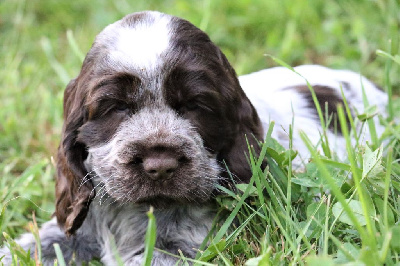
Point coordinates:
pixel 121 107
pixel 197 106
pixel 201 106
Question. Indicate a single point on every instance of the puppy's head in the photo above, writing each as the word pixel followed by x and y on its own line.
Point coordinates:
pixel 154 115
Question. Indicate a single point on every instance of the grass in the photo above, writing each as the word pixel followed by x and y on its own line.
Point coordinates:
pixel 273 220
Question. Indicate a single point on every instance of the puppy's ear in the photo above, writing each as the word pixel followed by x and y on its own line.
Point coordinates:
pixel 248 134
pixel 73 191
pixel 246 127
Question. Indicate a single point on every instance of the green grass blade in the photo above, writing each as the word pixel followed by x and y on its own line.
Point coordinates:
pixel 356 177
pixel 150 238
pixel 332 184
pixel 74 46
pixel 370 121
pixel 387 187
pixel 32 170
pixel 59 255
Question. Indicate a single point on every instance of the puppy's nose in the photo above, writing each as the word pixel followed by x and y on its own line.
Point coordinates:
pixel 160 166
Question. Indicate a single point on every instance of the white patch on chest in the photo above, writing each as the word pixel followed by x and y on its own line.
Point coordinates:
pixel 141 47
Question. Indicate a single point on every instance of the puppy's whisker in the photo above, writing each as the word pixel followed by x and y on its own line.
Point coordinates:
pixel 116 199
pixel 85 179
pixel 95 187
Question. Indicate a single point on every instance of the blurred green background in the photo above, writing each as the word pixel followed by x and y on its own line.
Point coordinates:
pixel 43 43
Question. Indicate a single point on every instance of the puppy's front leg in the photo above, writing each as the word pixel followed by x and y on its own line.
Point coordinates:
pixel 159 259
pixel 80 246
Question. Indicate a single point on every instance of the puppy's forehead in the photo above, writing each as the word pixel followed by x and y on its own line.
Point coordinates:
pixel 138 41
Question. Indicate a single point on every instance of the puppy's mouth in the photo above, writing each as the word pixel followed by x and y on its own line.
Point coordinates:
pixel 129 186
pixel 164 196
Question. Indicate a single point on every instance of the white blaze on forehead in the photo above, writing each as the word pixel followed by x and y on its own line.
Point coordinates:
pixel 141 45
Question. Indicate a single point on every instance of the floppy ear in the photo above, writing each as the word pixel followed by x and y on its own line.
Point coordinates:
pixel 73 192
pixel 247 128
pixel 248 134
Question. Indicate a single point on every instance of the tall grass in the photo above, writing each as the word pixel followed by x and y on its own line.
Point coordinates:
pixel 275 219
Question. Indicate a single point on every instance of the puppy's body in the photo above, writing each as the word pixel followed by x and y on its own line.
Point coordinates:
pixel 281 95
pixel 109 225
pixel 152 119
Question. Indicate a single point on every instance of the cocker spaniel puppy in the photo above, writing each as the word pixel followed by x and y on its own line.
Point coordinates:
pixel 155 117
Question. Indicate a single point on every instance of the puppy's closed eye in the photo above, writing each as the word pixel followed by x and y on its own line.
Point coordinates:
pixel 201 104
pixel 107 107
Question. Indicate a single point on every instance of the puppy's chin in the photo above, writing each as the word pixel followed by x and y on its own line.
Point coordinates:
pixel 158 202
pixel 164 202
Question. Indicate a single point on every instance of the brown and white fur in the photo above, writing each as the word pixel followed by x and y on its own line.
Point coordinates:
pixel 155 116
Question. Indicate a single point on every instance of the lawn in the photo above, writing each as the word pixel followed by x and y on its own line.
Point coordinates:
pixel 43 43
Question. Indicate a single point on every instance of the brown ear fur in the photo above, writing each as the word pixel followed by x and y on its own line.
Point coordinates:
pixel 248 134
pixel 249 129
pixel 73 192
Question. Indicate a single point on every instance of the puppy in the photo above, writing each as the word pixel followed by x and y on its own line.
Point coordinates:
pixel 155 117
